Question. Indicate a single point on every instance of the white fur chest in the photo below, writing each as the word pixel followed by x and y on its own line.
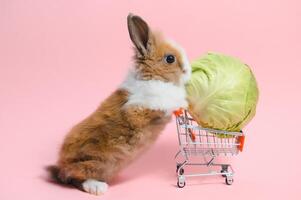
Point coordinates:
pixel 154 94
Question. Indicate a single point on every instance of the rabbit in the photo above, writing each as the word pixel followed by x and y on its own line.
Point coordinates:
pixel 128 121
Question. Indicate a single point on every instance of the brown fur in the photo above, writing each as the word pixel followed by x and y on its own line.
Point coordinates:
pixel 111 137
pixel 153 65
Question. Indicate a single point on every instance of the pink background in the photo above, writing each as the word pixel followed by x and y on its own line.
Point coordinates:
pixel 59 59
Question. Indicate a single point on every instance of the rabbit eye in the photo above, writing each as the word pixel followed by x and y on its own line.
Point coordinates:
pixel 170 59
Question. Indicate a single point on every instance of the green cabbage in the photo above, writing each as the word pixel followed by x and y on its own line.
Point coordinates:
pixel 222 92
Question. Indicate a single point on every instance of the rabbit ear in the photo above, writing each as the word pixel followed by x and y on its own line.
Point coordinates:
pixel 139 33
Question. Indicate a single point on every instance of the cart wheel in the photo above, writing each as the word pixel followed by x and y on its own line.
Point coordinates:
pixel 224 171
pixel 181 170
pixel 181 184
pixel 229 180
pixel 178 165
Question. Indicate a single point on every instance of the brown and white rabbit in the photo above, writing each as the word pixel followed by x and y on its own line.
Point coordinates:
pixel 129 120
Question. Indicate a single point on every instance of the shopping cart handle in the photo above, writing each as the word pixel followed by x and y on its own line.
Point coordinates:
pixel 178 112
pixel 241 141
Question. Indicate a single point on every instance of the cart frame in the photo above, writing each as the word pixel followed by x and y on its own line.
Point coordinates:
pixel 195 140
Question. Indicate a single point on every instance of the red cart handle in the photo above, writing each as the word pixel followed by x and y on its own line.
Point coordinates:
pixel 241 141
pixel 178 112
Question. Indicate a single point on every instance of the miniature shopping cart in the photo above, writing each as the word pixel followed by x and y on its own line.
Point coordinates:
pixel 206 143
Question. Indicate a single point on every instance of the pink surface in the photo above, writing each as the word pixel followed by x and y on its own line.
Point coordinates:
pixel 59 59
